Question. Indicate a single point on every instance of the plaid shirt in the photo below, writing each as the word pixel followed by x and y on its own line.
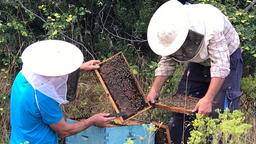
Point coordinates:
pixel 220 41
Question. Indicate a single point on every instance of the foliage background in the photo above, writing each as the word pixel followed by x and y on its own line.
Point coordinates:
pixel 101 28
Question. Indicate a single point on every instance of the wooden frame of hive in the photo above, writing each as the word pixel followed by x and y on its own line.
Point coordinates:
pixel 108 94
pixel 172 108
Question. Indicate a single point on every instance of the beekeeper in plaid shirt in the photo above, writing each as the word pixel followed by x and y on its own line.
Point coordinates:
pixel 202 36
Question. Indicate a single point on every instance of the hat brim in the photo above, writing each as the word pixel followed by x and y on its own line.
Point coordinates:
pixel 52 58
pixel 168 17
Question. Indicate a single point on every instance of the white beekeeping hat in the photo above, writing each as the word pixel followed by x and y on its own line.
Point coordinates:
pixel 52 58
pixel 168 28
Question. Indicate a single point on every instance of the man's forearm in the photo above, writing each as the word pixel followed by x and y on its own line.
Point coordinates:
pixel 66 129
pixel 214 87
pixel 158 83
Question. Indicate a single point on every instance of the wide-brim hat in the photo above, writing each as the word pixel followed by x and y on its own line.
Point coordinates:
pixel 168 28
pixel 52 58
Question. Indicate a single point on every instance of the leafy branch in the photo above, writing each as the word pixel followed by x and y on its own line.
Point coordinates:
pixel 228 128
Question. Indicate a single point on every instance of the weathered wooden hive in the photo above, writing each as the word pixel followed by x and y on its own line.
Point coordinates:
pixel 162 134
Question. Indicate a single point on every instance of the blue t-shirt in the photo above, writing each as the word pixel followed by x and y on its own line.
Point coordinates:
pixel 28 122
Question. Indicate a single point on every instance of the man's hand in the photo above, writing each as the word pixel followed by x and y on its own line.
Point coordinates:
pixel 90 65
pixel 204 106
pixel 101 119
pixel 66 129
pixel 156 87
pixel 151 97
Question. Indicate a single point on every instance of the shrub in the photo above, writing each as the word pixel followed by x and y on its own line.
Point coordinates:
pixel 229 128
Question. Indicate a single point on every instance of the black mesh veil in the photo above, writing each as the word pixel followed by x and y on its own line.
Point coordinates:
pixel 190 47
pixel 72 85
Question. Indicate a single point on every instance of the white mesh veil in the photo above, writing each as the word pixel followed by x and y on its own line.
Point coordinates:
pixel 54 87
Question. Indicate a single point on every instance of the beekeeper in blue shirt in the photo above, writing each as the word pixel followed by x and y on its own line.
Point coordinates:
pixel 41 87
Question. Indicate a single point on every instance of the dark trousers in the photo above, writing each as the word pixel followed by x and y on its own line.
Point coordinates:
pixel 196 83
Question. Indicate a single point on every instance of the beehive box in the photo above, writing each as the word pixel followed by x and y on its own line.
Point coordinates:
pixel 111 135
pixel 162 135
pixel 178 103
pixel 121 87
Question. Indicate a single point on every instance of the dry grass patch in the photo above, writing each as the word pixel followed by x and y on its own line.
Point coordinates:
pixel 90 98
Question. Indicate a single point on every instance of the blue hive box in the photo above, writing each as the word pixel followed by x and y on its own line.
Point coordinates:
pixel 112 135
